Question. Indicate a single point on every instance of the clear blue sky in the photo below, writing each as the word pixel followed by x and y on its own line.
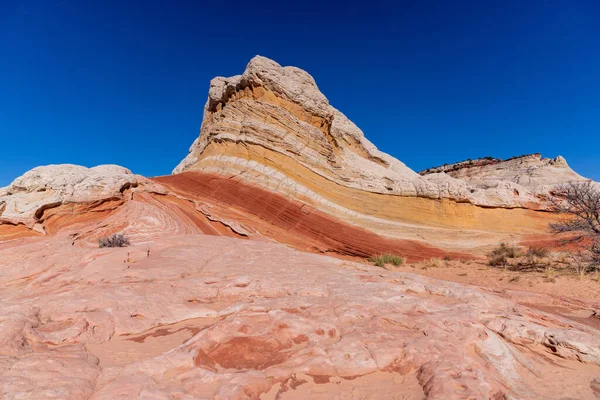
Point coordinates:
pixel 125 82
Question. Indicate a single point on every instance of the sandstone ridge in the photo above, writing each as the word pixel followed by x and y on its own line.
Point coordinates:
pixel 271 134
pixel 25 199
pixel 272 122
pixel 531 171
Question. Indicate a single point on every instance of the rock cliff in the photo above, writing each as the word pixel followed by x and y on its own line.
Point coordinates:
pixel 273 126
pixel 271 134
pixel 273 129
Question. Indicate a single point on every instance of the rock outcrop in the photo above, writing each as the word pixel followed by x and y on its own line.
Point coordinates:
pixel 109 199
pixel 271 134
pixel 272 128
pixel 273 125
pixel 41 188
pixel 531 171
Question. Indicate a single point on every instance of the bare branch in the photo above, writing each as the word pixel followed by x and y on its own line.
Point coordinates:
pixel 579 202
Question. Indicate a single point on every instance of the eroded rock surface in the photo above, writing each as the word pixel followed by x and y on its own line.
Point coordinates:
pixel 41 188
pixel 191 316
pixel 531 171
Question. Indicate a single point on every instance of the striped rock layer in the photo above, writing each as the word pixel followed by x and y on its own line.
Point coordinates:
pixel 271 128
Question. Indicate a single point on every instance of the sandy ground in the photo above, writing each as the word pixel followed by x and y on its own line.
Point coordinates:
pixel 558 289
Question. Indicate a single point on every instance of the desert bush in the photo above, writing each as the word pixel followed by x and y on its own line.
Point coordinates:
pixel 540 252
pixel 534 254
pixel 434 263
pixel 384 259
pixel 497 260
pixel 501 254
pixel 580 203
pixel 580 262
pixel 116 240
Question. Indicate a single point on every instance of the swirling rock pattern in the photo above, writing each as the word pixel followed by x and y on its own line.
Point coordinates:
pixel 201 316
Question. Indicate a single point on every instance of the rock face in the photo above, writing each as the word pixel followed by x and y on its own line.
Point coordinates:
pixel 28 196
pixel 272 128
pixel 531 171
pixel 273 125
pixel 271 134
pixel 109 199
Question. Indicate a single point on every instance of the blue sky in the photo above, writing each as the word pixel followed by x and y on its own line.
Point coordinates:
pixel 428 82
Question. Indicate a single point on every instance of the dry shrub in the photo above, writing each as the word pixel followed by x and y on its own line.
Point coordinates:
pixel 534 254
pixel 116 240
pixel 540 252
pixel 383 259
pixel 579 202
pixel 434 263
pixel 500 255
pixel 581 262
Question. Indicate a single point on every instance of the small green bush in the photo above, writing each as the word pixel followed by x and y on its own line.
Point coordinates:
pixel 384 259
pixel 116 240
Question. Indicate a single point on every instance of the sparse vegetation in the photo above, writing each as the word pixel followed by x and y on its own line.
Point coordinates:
pixel 116 240
pixel 549 274
pixel 500 255
pixel 433 263
pixel 540 252
pixel 580 203
pixel 383 259
pixel 534 254
pixel 579 261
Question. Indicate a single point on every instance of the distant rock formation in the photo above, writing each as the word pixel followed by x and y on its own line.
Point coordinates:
pixel 531 171
pixel 50 186
pixel 272 128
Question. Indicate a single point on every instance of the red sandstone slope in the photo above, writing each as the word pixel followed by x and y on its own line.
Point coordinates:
pixel 289 221
pixel 206 204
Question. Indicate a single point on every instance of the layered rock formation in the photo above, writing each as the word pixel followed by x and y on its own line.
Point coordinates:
pixel 271 134
pixel 273 125
pixel 48 200
pixel 42 188
pixel 272 128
